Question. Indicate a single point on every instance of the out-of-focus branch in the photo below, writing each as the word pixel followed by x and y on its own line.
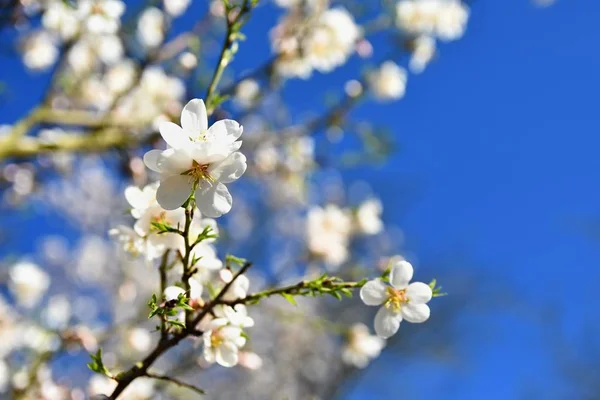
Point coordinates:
pixel 175 381
pixel 107 138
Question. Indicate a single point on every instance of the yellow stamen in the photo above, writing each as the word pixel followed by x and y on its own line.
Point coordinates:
pixel 396 298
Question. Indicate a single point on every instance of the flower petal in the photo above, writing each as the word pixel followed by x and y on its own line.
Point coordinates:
pixel 151 160
pixel 419 293
pixel 213 200
pixel 227 354
pixel 173 135
pixel 416 313
pixel 172 292
pixel 194 119
pixel 230 169
pixel 226 130
pixel 135 197
pixel 373 293
pixel 387 322
pixel 401 274
pixel 174 191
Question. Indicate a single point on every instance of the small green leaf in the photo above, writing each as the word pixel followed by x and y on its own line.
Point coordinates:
pixel 289 298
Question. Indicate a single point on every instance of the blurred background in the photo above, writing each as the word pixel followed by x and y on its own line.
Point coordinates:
pixel 485 169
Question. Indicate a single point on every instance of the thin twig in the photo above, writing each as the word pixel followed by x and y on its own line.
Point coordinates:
pixel 176 382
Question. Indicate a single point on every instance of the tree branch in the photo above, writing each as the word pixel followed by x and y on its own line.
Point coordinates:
pixel 176 382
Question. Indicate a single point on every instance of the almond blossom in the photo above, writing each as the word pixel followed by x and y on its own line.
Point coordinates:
pixel 400 299
pixel 222 343
pixel 198 159
pixel 361 347
pixel 28 283
pixel 388 82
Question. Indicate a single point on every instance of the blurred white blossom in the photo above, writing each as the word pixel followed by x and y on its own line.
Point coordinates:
pixel 28 283
pixel 388 82
pixel 361 347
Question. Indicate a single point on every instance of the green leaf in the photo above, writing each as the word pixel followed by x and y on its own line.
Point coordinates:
pixel 97 365
pixel 289 298
pixel 229 258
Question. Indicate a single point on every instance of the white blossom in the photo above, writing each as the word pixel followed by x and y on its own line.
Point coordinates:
pixel 198 158
pixel 333 40
pixel 388 82
pixel 361 347
pixel 238 289
pixel 401 300
pixel 129 239
pixel 423 50
pixel 444 19
pixel 139 339
pixel 188 60
pixel 176 7
pixel 327 232
pixel 101 16
pixel 247 92
pixel 62 19
pixel 368 217
pixel 121 77
pixel 250 360
pixel 39 51
pixel 150 28
pixel 222 343
pixel 28 283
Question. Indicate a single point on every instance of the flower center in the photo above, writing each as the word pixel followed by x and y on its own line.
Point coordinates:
pixel 160 218
pixel 200 172
pixel 396 298
pixel 216 339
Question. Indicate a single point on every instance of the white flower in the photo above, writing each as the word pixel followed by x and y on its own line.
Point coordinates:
pixel 120 77
pixel 102 16
pixel 58 312
pixel 445 19
pixel 361 347
pixel 222 343
pixel 327 232
pixel 400 301
pixel 176 7
pixel 207 257
pixel 250 360
pixel 199 158
pixel 423 50
pixel 238 289
pixel 246 92
pixel 236 316
pixel 39 51
pixel 131 242
pixel 368 217
pixel 188 60
pixel 28 283
pixel 388 82
pixel 333 40
pixel 109 48
pixel 172 292
pixel 151 29
pixel 139 339
pixel 62 19
pixel 452 19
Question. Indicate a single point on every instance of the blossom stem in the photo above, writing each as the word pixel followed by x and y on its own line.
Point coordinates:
pixel 163 285
pixel 301 288
pixel 233 26
pixel 141 368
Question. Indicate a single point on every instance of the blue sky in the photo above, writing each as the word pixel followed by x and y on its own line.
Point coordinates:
pixel 498 166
